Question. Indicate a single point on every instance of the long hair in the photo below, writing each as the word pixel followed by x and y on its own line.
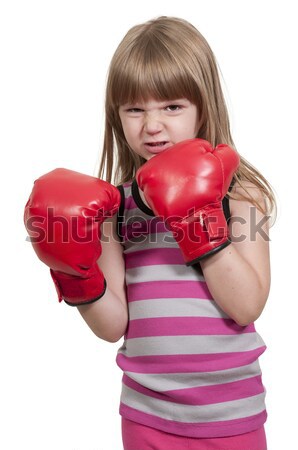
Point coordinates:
pixel 165 59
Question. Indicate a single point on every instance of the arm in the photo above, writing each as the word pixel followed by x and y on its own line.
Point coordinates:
pixel 63 216
pixel 238 276
pixel 108 317
pixel 193 178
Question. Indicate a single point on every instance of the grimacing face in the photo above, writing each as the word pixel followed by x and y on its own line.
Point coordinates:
pixel 152 126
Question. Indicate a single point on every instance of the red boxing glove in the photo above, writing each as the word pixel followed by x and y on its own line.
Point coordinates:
pixel 63 217
pixel 185 185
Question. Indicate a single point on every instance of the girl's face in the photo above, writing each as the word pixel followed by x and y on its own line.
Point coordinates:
pixel 152 126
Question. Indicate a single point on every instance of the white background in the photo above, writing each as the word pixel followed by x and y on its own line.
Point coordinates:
pixel 60 384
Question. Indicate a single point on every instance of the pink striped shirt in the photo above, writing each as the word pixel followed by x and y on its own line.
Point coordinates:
pixel 188 368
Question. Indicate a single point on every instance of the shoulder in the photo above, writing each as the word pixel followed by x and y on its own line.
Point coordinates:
pixel 246 196
pixel 245 189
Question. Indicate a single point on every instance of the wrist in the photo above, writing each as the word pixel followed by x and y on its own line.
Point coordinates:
pixel 75 290
pixel 202 234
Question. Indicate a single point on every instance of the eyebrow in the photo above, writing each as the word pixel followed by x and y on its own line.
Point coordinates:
pixel 161 102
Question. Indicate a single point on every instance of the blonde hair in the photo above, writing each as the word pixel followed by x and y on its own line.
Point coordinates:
pixel 167 58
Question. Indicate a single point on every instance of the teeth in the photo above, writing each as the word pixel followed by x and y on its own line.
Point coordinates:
pixel 156 144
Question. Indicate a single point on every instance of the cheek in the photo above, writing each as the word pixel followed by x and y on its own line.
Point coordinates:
pixel 197 124
pixel 126 133
pixel 190 130
pixel 129 129
pixel 190 126
pixel 194 127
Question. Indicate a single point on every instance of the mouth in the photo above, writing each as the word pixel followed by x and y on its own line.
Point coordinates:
pixel 157 147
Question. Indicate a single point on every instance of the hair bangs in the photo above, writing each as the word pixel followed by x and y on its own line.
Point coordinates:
pixel 152 73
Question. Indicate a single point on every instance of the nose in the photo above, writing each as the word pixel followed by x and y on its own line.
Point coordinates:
pixel 152 123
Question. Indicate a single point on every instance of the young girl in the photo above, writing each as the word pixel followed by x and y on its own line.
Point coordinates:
pixel 184 269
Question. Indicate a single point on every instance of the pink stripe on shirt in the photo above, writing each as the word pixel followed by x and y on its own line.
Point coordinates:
pixel 177 326
pixel 213 430
pixel 204 395
pixel 153 257
pixel 168 289
pixel 187 363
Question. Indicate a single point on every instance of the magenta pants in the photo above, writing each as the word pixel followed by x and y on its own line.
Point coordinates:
pixel 140 437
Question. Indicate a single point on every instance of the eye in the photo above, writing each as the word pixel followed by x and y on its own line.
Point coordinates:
pixel 134 110
pixel 173 108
